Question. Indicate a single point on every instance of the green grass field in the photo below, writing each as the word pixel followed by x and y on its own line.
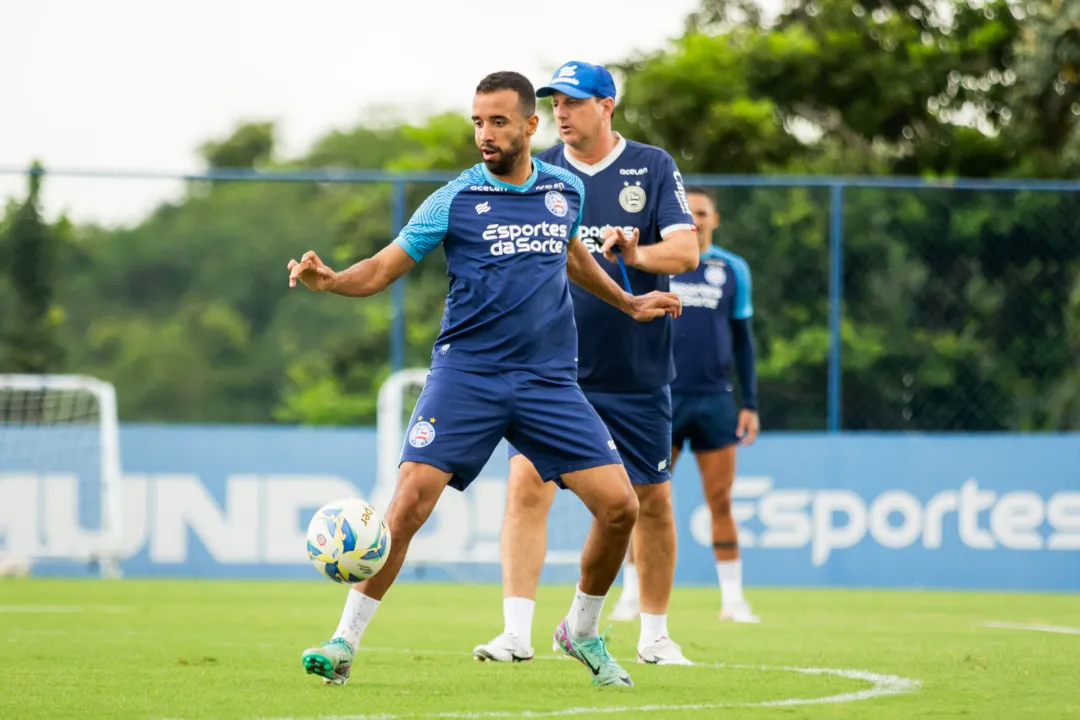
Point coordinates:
pixel 186 649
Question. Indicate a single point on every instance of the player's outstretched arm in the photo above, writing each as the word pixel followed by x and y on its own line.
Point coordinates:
pixel 676 253
pixel 365 278
pixel 583 269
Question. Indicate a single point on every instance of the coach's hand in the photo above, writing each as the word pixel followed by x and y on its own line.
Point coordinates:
pixel 653 305
pixel 615 238
pixel 311 272
pixel 749 426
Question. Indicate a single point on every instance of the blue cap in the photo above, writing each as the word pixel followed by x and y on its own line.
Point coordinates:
pixel 580 80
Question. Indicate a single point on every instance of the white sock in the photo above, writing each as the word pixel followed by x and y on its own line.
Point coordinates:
pixel 730 574
pixel 653 627
pixel 359 609
pixel 629 584
pixel 584 614
pixel 518 617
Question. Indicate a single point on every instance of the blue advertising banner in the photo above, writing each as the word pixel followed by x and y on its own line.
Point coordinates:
pixel 814 510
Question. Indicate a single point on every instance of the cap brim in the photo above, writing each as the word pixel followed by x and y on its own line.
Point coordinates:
pixel 570 90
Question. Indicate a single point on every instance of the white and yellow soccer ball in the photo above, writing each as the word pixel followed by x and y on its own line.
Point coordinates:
pixel 348 540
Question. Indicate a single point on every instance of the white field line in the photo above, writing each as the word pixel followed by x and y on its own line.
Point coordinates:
pixel 1002 625
pixel 19 609
pixel 63 609
pixel 880 686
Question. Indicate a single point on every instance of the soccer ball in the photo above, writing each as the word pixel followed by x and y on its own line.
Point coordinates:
pixel 348 540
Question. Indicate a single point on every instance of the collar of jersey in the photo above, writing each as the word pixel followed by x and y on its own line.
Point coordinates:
pixel 590 170
pixel 492 180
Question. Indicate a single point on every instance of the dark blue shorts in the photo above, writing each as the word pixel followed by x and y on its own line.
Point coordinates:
pixel 460 417
pixel 708 420
pixel 640 424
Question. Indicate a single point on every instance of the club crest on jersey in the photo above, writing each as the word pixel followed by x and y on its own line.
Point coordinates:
pixel 556 203
pixel 632 198
pixel 421 434
pixel 715 275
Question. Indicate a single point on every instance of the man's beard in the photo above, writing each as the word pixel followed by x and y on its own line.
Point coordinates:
pixel 505 159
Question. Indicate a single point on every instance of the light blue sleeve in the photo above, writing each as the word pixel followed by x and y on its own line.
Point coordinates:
pixel 429 224
pixel 742 308
pixel 580 187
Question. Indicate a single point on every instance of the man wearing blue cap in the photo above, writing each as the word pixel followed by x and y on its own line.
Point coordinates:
pixel 636 215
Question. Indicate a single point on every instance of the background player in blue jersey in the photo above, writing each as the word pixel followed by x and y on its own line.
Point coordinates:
pixel 635 200
pixel 504 363
pixel 714 333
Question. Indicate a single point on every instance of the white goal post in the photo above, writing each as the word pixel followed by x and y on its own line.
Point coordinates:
pixel 60 471
pixel 390 422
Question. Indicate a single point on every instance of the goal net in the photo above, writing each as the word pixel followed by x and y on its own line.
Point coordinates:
pixel 463 535
pixel 60 502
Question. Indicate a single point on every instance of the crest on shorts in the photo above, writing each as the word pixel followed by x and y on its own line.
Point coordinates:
pixel 632 198
pixel 421 434
pixel 556 203
pixel 715 275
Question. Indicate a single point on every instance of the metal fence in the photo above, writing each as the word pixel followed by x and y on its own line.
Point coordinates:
pixel 889 304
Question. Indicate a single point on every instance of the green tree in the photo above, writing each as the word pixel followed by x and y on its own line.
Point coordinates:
pixel 251 145
pixel 954 302
pixel 31 248
pixel 1045 98
pixel 189 314
pixel 960 307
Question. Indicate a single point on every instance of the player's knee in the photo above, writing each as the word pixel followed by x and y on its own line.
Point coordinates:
pixel 622 513
pixel 655 505
pixel 529 498
pixel 406 513
pixel 720 501
pixel 412 503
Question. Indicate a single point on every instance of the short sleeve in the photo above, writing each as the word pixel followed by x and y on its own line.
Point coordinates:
pixel 580 187
pixel 428 225
pixel 673 209
pixel 741 307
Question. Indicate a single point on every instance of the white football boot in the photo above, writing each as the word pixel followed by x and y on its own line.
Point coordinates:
pixel 739 612
pixel 504 648
pixel 625 610
pixel 664 651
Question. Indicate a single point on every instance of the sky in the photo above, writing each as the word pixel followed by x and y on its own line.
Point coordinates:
pixel 140 84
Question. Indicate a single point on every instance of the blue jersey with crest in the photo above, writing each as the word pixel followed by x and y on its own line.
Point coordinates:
pixel 635 186
pixel 714 294
pixel 508 306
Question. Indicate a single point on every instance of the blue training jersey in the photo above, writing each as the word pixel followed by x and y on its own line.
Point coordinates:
pixel 712 295
pixel 508 306
pixel 635 186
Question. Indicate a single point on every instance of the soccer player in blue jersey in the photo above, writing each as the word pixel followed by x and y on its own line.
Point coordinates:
pixel 634 203
pixel 504 362
pixel 713 334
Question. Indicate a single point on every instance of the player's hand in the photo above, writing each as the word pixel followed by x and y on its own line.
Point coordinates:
pixel 311 272
pixel 749 426
pixel 615 239
pixel 653 305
